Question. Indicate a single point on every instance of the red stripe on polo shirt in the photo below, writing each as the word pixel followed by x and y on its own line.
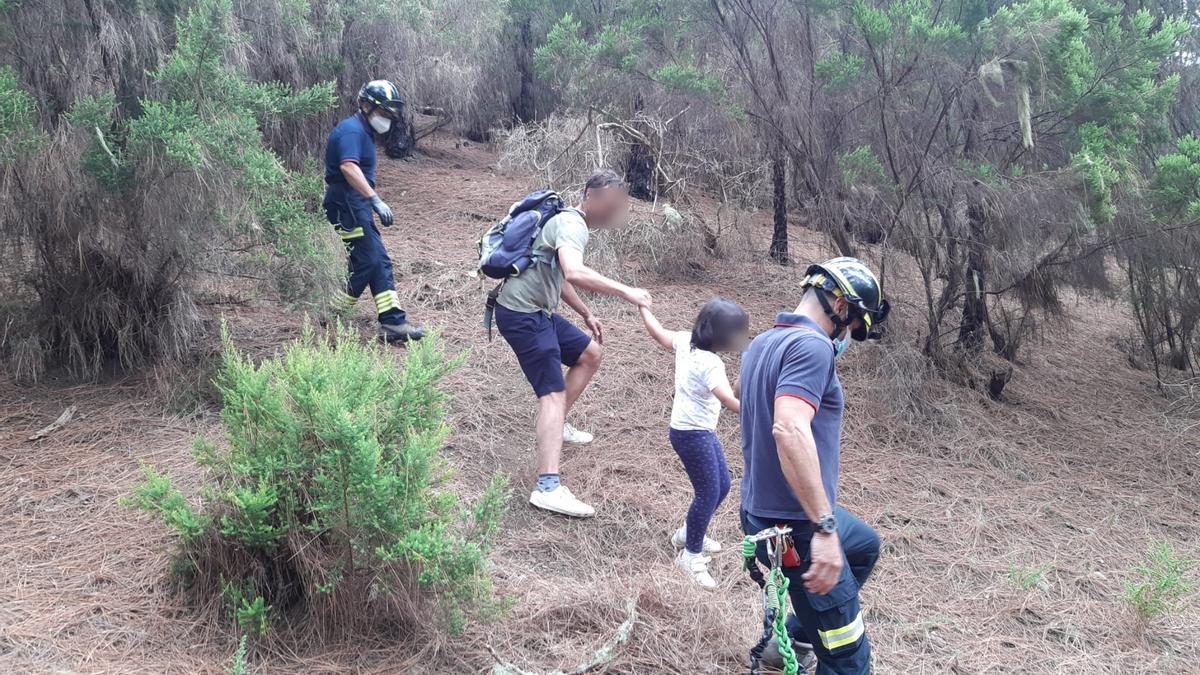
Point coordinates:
pixel 810 403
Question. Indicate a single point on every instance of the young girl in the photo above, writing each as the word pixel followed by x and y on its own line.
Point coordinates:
pixel 701 387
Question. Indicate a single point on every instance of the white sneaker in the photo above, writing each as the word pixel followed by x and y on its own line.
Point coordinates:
pixel 560 500
pixel 573 435
pixel 696 566
pixel 679 539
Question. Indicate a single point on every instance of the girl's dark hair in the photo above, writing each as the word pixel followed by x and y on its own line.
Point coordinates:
pixel 720 320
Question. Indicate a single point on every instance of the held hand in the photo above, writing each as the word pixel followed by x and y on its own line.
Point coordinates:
pixel 826 568
pixel 595 327
pixel 639 297
pixel 384 211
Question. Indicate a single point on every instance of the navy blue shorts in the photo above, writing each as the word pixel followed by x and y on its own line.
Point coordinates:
pixel 543 345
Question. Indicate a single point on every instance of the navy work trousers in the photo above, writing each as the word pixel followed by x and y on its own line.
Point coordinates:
pixel 369 264
pixel 831 623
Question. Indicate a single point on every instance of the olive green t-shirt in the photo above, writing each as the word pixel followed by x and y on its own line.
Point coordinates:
pixel 539 287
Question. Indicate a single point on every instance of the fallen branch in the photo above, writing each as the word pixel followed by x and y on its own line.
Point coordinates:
pixel 562 152
pixel 601 658
pixel 54 426
pixel 619 125
pixel 431 129
pixel 637 137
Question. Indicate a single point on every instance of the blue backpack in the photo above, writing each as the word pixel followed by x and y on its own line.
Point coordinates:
pixel 506 249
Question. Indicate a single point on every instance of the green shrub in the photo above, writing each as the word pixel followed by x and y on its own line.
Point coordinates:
pixel 159 496
pixel 19 134
pixel 239 657
pixel 838 70
pixel 151 198
pixel 1160 582
pixel 331 493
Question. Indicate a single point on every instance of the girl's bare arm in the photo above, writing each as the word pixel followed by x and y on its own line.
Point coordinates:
pixel 655 329
pixel 725 395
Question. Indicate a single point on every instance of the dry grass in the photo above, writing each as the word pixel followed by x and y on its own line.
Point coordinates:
pixel 1076 474
pixel 560 151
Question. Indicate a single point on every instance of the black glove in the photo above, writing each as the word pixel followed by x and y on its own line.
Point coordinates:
pixel 384 211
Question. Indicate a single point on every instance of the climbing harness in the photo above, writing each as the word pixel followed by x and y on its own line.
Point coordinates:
pixel 775 594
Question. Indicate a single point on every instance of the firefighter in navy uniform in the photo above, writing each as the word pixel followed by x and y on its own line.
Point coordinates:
pixel 792 407
pixel 351 204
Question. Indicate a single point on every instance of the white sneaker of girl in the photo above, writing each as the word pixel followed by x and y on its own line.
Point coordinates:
pixel 696 567
pixel 573 435
pixel 679 540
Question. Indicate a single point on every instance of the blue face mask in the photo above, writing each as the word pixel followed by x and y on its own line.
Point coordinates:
pixel 840 346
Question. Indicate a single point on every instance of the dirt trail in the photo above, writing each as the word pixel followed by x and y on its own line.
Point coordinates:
pixel 1073 478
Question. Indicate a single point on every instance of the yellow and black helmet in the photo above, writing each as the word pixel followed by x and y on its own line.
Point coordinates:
pixel 384 95
pixel 852 280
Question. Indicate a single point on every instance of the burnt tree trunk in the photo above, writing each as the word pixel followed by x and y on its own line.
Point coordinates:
pixel 947 299
pixel 975 321
pixel 640 168
pixel 524 106
pixel 974 317
pixel 639 172
pixel 779 234
pixel 401 139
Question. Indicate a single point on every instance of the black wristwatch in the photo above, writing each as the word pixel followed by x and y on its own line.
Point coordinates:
pixel 826 524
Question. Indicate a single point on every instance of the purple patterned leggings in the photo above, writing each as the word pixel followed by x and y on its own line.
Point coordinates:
pixel 704 460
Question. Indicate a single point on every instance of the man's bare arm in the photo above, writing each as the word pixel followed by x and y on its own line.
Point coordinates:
pixel 576 303
pixel 798 454
pixel 356 179
pixel 573 300
pixel 802 468
pixel 580 275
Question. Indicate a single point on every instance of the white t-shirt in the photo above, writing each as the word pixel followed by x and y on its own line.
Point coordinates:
pixel 697 373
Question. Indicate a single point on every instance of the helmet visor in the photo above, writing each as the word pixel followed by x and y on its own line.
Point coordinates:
pixel 393 109
pixel 871 327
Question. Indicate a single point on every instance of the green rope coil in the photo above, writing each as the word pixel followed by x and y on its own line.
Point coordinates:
pixel 749 547
pixel 779 583
pixel 775 596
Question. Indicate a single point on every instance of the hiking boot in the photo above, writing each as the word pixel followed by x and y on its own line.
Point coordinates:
pixel 804 655
pixel 573 435
pixel 400 332
pixel 696 567
pixel 560 500
pixel 679 540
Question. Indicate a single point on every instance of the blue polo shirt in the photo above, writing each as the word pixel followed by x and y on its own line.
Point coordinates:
pixel 352 140
pixel 795 358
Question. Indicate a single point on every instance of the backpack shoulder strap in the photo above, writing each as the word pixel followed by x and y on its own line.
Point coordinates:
pixel 543 256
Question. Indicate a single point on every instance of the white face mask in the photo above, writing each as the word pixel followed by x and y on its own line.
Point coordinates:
pixel 380 123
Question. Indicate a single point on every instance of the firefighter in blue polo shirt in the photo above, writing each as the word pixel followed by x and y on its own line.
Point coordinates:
pixel 351 204
pixel 791 420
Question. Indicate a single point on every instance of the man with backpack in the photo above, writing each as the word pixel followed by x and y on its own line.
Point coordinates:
pixel 549 272
pixel 351 204
pixel 791 415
